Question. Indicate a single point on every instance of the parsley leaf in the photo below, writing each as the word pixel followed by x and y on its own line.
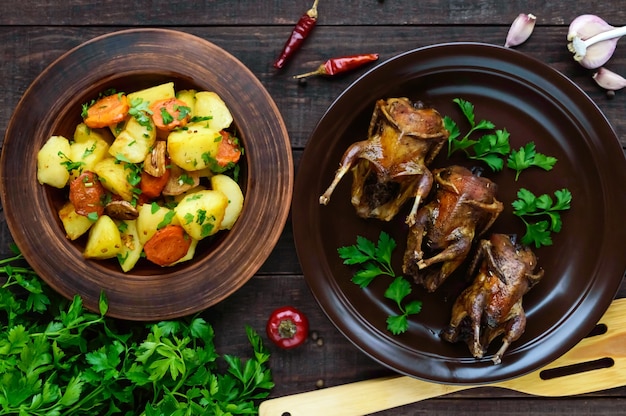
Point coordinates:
pixel 489 148
pixel 526 157
pixel 375 260
pixel 529 205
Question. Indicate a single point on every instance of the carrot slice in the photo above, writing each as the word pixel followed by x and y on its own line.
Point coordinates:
pixel 228 150
pixel 107 111
pixel 152 186
pixel 86 194
pixel 167 245
pixel 170 113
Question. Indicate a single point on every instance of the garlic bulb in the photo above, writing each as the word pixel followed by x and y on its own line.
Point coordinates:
pixel 592 40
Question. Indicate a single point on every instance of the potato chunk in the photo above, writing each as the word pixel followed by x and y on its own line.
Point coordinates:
pixel 104 240
pixel 134 142
pixel 194 148
pixel 202 212
pixel 131 246
pixel 209 104
pixel 189 98
pixel 153 94
pixel 88 148
pixel 151 218
pixel 113 176
pixel 50 159
pixel 74 224
pixel 231 189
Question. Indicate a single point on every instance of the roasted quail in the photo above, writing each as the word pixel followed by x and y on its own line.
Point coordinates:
pixel 391 165
pixel 463 208
pixel 492 305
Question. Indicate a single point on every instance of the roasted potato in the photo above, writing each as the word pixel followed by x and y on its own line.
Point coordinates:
pixel 231 189
pixel 134 142
pixel 74 224
pixel 88 148
pixel 202 212
pixel 131 246
pixel 104 241
pixel 209 104
pixel 194 148
pixel 151 218
pixel 113 176
pixel 50 159
pixel 153 94
pixel 189 97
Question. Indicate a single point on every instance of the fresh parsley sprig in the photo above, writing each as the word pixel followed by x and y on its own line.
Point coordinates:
pixel 528 156
pixel 489 148
pixel 375 260
pixel 529 205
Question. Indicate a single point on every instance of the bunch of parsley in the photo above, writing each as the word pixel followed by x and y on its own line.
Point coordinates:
pixel 57 358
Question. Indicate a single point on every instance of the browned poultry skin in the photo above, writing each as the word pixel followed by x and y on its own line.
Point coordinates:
pixel 464 207
pixel 390 166
pixel 492 305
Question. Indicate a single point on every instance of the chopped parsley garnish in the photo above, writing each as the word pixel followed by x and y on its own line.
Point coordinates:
pixel 167 220
pixel 69 164
pixel 140 110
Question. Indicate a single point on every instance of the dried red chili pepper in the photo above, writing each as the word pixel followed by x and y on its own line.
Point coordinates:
pixel 287 327
pixel 300 32
pixel 342 64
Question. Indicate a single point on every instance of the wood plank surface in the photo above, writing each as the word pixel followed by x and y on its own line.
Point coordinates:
pixel 33 33
pixel 286 12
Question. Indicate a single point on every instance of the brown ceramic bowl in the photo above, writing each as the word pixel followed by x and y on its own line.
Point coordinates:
pixel 584 266
pixel 128 61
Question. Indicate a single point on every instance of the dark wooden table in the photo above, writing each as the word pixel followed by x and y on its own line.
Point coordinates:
pixel 33 33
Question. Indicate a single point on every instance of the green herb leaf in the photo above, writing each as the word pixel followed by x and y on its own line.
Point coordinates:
pixel 397 324
pixel 527 156
pixel 103 304
pixel 375 260
pixel 489 148
pixel 528 205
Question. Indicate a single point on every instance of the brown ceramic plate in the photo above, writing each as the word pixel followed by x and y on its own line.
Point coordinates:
pixel 128 61
pixel 584 266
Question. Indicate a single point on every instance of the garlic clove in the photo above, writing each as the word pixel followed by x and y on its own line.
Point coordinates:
pixel 520 30
pixel 609 80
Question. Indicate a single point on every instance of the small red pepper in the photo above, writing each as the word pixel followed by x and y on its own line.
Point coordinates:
pixel 336 66
pixel 287 327
pixel 300 32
